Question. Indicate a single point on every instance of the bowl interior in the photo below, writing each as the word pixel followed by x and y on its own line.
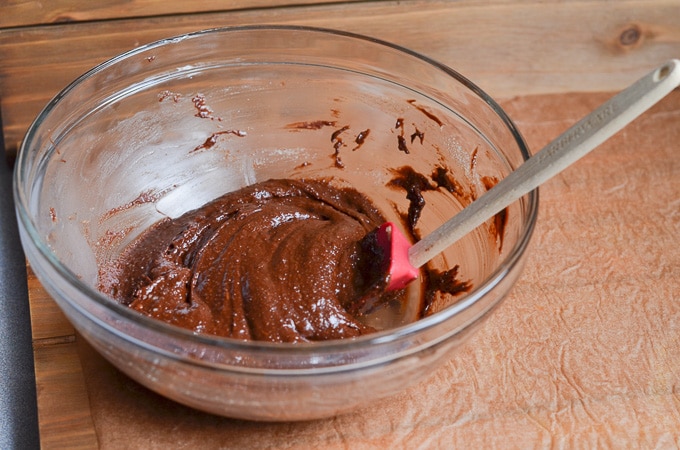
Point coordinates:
pixel 164 129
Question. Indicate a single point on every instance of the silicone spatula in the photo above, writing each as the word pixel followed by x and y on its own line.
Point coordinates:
pixel 405 259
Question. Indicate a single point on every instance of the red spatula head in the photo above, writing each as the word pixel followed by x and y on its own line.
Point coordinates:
pixel 395 249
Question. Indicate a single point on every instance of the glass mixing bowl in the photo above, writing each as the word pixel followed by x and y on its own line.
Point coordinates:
pixel 166 127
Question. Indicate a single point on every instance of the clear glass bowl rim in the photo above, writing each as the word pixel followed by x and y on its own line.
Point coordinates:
pixel 381 337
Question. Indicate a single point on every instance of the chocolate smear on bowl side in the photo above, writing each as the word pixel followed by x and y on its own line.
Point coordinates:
pixel 500 220
pixel 361 138
pixel 414 184
pixel 212 139
pixel 427 113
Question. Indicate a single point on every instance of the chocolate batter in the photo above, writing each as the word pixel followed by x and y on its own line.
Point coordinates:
pixel 280 261
pixel 276 261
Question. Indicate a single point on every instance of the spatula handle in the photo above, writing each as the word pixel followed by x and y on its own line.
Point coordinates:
pixel 571 145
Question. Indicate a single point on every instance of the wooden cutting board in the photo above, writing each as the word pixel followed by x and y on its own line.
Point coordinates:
pixel 585 352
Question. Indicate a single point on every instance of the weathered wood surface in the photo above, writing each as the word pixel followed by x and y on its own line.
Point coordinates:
pixel 508 48
pixel 30 12
pixel 64 415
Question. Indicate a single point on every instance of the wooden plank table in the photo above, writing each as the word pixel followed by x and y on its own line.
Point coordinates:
pixel 585 352
pixel 507 47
